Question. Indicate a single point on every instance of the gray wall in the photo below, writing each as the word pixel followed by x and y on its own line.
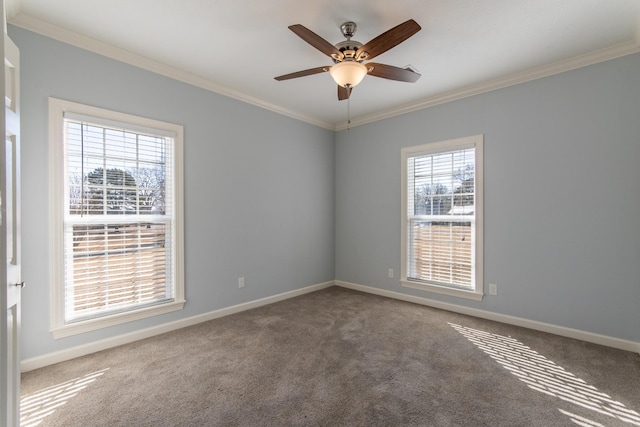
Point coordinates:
pixel 562 196
pixel 265 194
pixel 259 196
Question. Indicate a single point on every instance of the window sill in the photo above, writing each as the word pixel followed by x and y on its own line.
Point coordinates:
pixel 461 293
pixel 115 319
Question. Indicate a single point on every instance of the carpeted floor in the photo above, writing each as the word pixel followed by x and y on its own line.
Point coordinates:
pixel 341 358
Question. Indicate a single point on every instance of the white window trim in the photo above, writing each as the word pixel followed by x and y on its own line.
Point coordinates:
pixel 460 143
pixel 60 329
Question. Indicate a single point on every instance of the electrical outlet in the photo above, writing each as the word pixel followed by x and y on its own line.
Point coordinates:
pixel 390 272
pixel 241 282
pixel 493 289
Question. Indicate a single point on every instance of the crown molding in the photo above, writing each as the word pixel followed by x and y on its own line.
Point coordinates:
pixel 576 62
pixel 11 9
pixel 90 44
pixel 61 34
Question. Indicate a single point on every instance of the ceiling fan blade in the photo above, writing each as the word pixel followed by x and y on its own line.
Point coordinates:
pixel 392 73
pixel 302 73
pixel 344 93
pixel 387 40
pixel 316 41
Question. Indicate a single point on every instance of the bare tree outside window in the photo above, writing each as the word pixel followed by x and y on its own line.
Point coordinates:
pixel 115 191
pixel 464 192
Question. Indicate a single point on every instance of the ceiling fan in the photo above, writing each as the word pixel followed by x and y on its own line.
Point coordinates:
pixel 349 56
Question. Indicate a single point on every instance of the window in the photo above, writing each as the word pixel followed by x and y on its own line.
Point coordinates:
pixel 116 197
pixel 442 217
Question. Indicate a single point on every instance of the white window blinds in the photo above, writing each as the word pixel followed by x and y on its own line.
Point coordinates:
pixel 442 217
pixel 119 217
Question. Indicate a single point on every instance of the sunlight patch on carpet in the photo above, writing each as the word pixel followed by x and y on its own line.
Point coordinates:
pixel 35 407
pixel 543 375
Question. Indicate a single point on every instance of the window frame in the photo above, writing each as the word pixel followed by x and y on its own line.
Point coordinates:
pixel 476 142
pixel 57 202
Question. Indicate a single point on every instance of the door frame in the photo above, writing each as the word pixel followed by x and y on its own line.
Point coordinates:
pixel 10 251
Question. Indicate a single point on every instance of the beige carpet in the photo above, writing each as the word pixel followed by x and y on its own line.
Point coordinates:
pixel 341 358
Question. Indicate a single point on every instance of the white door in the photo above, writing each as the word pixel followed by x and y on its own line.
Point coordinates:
pixel 10 275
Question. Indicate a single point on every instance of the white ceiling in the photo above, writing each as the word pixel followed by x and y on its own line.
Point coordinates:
pixel 237 47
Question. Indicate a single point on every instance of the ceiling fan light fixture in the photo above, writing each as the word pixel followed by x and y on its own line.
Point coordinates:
pixel 349 54
pixel 348 73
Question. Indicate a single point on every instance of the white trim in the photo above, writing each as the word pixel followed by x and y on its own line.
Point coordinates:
pixel 606 54
pixel 454 292
pixel 475 142
pixel 57 33
pixel 92 45
pixel 57 110
pixel 11 9
pixel 56 186
pixel 562 331
pixel 82 350
pixel 74 109
pixel 71 329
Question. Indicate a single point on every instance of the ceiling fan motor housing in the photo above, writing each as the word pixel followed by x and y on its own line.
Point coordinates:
pixel 348 47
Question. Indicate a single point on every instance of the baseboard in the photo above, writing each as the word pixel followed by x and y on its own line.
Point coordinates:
pixel 82 350
pixel 503 318
pixel 71 353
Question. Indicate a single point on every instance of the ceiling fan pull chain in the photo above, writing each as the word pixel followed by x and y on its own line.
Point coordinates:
pixel 348 113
